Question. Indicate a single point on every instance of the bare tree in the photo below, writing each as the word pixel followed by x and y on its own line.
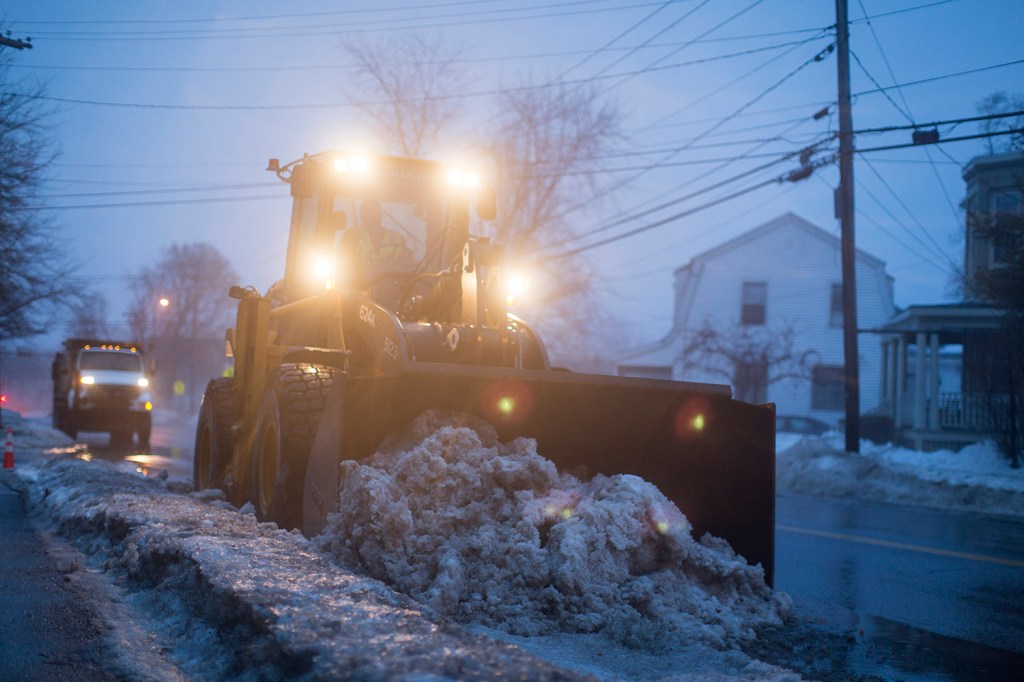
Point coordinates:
pixel 547 141
pixel 1002 285
pixel 549 145
pixel 1000 103
pixel 34 275
pixel 89 317
pixel 186 335
pixel 403 83
pixel 750 358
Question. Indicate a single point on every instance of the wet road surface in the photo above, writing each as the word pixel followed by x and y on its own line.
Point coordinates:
pixel 939 595
pixel 171 444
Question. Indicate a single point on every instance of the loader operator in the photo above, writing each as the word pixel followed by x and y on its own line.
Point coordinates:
pixel 369 249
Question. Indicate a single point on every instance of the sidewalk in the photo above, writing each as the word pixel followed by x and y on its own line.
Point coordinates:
pixel 46 631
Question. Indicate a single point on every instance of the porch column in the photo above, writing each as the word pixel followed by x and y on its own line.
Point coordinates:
pixel 919 405
pixel 884 388
pixel 899 361
pixel 933 381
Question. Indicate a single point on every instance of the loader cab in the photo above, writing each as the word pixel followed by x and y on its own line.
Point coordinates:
pixel 425 209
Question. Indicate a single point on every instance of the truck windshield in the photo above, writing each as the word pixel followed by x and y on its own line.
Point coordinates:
pixel 123 362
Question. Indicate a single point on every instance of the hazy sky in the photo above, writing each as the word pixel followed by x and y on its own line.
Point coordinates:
pixel 166 114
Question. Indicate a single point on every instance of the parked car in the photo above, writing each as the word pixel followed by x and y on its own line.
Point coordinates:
pixel 785 423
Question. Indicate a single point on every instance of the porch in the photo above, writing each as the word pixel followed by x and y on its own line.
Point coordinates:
pixel 939 399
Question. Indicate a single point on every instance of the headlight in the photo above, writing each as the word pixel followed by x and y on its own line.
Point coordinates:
pixel 323 271
pixel 356 164
pixel 516 286
pixel 143 382
pixel 461 177
pixel 88 380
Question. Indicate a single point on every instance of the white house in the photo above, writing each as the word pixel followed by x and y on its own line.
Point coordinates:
pixel 784 274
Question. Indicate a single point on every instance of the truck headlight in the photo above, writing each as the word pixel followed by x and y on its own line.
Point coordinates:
pixel 516 286
pixel 143 382
pixel 88 379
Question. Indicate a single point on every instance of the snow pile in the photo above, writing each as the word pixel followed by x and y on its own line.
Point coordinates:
pixel 977 478
pixel 32 433
pixel 230 598
pixel 492 534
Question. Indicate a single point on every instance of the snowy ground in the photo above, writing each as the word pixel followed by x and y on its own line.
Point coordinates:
pixel 464 559
pixel 977 478
pixel 495 566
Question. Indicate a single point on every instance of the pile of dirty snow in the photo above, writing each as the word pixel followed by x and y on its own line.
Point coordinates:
pixel 31 433
pixel 977 478
pixel 493 534
pixel 223 596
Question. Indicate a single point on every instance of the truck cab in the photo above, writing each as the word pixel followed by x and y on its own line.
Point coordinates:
pixel 102 386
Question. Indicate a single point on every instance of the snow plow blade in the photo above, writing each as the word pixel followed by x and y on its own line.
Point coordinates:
pixel 713 456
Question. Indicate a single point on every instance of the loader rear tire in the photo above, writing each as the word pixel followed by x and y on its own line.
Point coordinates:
pixel 288 419
pixel 213 452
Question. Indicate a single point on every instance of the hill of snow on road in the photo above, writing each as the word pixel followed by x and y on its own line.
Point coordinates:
pixel 977 478
pixel 227 597
pixel 492 534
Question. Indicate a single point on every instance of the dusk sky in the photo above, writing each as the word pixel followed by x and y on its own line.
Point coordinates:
pixel 166 113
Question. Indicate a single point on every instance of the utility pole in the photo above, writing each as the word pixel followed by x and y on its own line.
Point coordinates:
pixel 844 211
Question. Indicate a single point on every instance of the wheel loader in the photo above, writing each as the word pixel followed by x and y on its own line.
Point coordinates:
pixel 337 356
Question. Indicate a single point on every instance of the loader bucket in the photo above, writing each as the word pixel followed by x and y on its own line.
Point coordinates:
pixel 713 456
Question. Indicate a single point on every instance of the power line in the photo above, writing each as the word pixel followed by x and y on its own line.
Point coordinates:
pixel 936 124
pixel 937 249
pixel 961 138
pixel 333 29
pixel 659 223
pixel 906 111
pixel 614 40
pixel 340 66
pixel 341 105
pixel 673 202
pixel 173 190
pixel 939 78
pixel 179 202
pixel 264 17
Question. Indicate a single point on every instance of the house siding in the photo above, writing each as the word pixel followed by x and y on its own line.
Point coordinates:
pixel 799 262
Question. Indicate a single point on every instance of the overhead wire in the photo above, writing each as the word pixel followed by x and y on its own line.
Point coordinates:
pixel 352 27
pixel 721 122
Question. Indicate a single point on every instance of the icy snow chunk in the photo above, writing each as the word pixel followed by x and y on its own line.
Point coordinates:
pixel 493 534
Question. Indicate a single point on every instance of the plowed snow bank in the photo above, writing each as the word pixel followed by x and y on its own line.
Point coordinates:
pixel 492 534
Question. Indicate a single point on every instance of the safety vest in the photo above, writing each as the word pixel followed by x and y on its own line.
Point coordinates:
pixel 382 247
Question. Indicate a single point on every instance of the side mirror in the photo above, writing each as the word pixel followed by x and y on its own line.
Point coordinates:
pixel 301 182
pixel 487 204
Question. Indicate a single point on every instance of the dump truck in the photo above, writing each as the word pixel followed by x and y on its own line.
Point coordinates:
pixel 336 357
pixel 102 385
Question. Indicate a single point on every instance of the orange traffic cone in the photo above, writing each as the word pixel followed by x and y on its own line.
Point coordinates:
pixel 9 450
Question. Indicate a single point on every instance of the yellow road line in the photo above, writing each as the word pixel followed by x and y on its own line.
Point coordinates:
pixel 901 545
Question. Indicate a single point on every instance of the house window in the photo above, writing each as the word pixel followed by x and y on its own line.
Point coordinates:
pixel 1004 204
pixel 827 388
pixel 835 309
pixel 752 310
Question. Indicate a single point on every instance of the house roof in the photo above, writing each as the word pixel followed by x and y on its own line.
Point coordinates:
pixel 788 219
pixel 943 317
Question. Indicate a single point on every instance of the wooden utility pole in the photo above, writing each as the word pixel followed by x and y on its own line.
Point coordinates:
pixel 844 211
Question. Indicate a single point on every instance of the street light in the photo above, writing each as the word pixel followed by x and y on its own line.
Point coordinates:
pixel 164 301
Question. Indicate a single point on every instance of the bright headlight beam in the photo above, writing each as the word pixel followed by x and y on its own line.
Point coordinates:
pixel 88 380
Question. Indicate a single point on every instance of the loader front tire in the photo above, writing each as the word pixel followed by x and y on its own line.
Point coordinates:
pixel 214 446
pixel 288 419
